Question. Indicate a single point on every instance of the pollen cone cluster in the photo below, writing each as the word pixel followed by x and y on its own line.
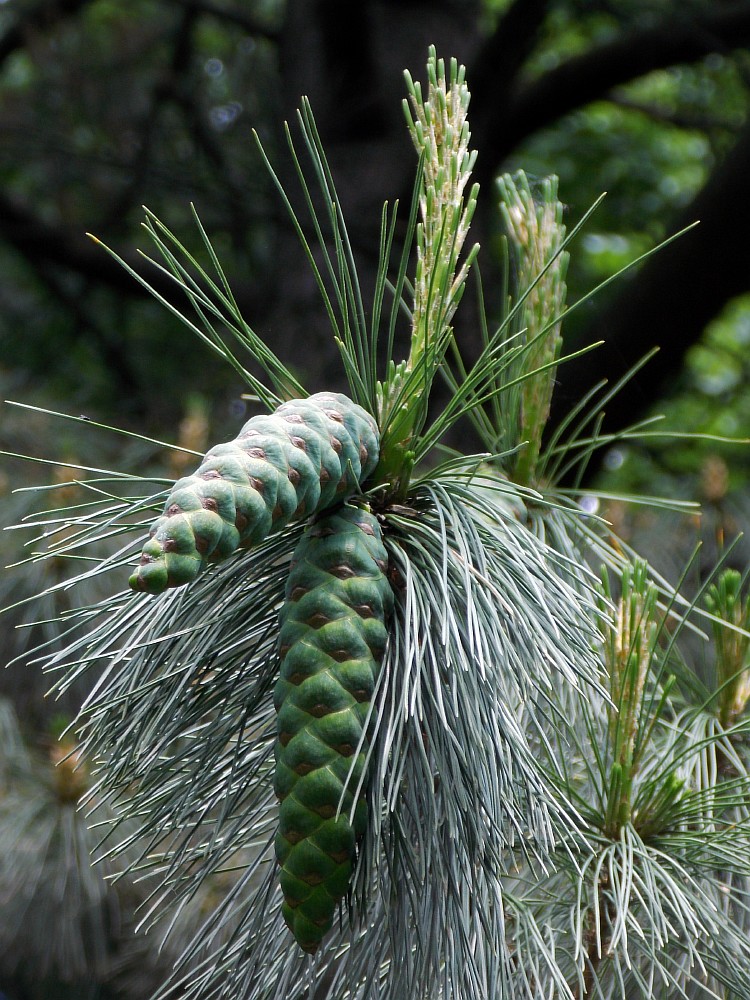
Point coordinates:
pixel 333 635
pixel 307 455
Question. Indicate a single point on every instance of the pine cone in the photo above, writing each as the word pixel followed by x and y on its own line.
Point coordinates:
pixel 333 634
pixel 307 455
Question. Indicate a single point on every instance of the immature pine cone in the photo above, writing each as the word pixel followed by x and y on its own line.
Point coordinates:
pixel 307 455
pixel 333 634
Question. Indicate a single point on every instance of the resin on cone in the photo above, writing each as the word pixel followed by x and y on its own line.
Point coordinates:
pixel 307 455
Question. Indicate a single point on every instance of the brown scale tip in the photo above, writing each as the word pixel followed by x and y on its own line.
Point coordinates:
pixel 319 711
pixel 318 620
pixel 312 878
pixel 339 857
pixel 150 578
pixel 342 572
pixel 326 811
pixel 340 655
pixel 321 531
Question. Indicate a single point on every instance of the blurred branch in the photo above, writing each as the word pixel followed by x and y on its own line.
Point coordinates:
pixel 231 15
pixel 678 118
pixel 181 90
pixel 38 18
pixel 506 49
pixel 39 241
pixel 341 69
pixel 109 343
pixel 578 81
pixel 174 86
pixel 162 91
pixel 671 298
pixel 501 56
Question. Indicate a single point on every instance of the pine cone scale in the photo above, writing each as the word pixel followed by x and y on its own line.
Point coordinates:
pixel 330 661
pixel 295 462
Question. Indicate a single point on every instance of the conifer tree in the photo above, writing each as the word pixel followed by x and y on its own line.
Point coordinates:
pixel 425 707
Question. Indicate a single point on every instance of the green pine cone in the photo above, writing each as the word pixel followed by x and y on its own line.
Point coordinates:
pixel 300 459
pixel 333 634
